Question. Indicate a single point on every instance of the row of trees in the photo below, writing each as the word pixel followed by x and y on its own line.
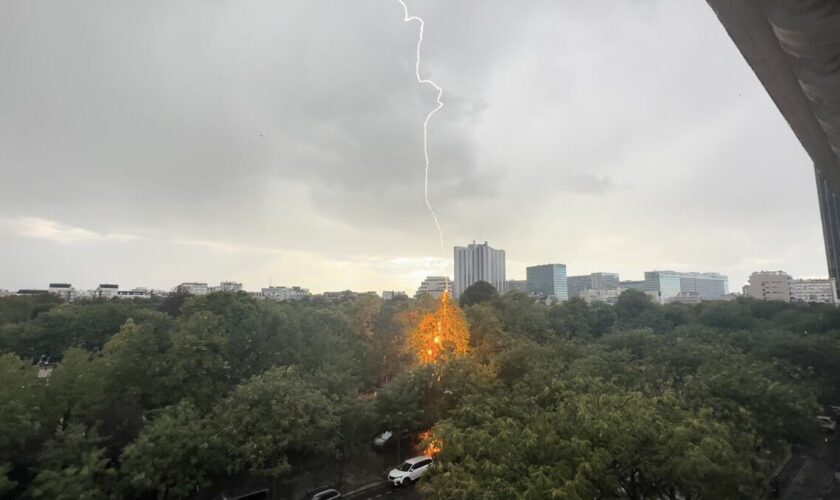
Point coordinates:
pixel 636 400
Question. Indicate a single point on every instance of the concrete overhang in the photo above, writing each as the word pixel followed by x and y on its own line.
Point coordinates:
pixel 793 46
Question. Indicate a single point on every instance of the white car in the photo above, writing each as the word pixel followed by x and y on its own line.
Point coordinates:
pixel 383 438
pixel 827 423
pixel 409 471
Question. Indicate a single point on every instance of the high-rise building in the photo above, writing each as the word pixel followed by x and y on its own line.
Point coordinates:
pixel 814 290
pixel 770 285
pixel 669 284
pixel 548 280
pixel 479 262
pixel 435 286
pixel 830 215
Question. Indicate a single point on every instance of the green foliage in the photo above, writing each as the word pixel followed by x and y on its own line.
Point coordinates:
pixel 73 466
pixel 6 483
pixel 478 293
pixel 195 366
pixel 272 418
pixel 175 455
pixel 87 326
pixel 571 400
pixel 21 399
pixel 23 308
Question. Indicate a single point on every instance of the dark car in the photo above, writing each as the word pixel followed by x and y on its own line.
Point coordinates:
pixel 325 493
pixel 256 494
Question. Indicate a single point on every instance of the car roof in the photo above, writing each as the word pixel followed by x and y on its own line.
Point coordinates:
pixel 417 459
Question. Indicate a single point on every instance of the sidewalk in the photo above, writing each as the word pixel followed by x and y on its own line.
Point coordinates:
pixel 811 473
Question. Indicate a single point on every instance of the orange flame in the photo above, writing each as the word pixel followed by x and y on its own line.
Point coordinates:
pixel 444 331
pixel 434 446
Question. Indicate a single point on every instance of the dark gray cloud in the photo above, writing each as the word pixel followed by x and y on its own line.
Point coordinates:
pixel 150 142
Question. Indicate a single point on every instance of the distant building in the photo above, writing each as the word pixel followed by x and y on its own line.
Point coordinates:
pixel 745 290
pixel 823 291
pixel 337 296
pixel 393 294
pixel 685 298
pixel 516 286
pixel 281 293
pixel 136 293
pixel 548 280
pixel 604 295
pixel 479 262
pixel 596 281
pixel 228 286
pixel 31 291
pixel 669 284
pixel 770 285
pixel 578 284
pixel 63 290
pixel 830 215
pixel 106 291
pixel 193 288
pixel 5 293
pixel 639 285
pixel 435 286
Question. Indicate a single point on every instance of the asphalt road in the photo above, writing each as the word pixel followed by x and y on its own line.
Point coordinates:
pixel 385 492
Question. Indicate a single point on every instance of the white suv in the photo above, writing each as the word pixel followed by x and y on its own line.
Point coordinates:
pixel 409 471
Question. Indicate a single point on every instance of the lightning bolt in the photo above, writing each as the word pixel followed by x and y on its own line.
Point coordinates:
pixel 426 81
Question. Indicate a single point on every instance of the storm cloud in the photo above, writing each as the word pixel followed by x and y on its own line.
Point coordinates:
pixel 150 143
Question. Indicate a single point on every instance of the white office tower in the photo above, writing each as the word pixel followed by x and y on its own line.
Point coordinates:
pixel 478 262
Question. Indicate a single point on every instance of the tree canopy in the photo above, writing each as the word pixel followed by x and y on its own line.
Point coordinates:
pixel 523 399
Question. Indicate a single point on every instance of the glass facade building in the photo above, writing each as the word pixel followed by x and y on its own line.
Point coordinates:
pixel 548 280
pixel 578 284
pixel 669 284
pixel 830 215
pixel 594 281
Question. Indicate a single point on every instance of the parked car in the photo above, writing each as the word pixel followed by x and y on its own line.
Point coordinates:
pixel 324 493
pixel 827 423
pixel 409 471
pixel 248 494
pixel 382 439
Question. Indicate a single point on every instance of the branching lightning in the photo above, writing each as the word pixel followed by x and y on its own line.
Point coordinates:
pixel 437 108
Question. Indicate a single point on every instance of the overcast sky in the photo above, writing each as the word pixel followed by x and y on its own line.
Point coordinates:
pixel 150 143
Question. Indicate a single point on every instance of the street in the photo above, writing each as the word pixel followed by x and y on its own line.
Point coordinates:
pixel 810 472
pixel 385 492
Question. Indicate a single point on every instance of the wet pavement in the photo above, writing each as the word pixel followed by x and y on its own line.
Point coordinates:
pixel 810 474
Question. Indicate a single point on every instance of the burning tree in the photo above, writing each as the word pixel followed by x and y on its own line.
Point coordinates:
pixel 441 333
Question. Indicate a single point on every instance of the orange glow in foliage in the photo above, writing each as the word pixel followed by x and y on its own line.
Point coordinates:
pixel 434 446
pixel 442 332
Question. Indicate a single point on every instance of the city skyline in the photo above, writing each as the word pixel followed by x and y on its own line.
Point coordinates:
pixel 306 167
